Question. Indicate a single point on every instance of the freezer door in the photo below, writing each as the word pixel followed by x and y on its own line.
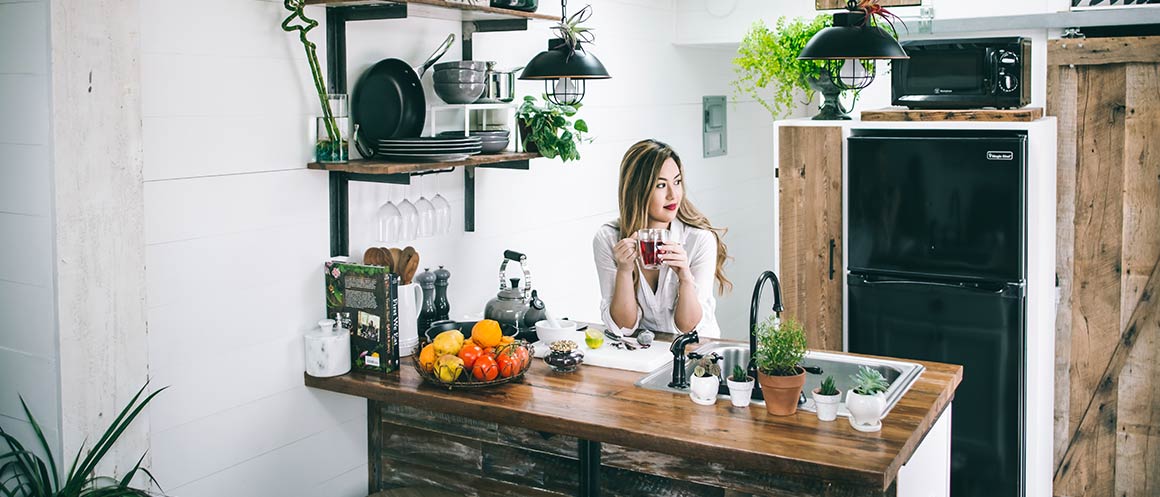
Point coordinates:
pixel 941 206
pixel 978 327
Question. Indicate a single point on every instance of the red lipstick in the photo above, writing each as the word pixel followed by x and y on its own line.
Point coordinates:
pixel 671 207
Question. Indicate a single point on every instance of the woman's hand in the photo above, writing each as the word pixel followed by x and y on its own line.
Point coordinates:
pixel 674 256
pixel 624 253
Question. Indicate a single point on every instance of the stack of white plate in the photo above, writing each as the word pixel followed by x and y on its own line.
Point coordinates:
pixel 429 149
pixel 493 141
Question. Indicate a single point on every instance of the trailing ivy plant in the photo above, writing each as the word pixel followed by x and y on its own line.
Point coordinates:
pixel 25 474
pixel 770 56
pixel 780 347
pixel 550 130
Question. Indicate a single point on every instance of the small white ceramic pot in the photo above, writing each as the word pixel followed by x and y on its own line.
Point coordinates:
pixel 827 405
pixel 704 388
pixel 740 392
pixel 865 410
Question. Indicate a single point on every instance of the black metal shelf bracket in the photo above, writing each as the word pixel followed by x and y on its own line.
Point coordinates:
pixel 336 19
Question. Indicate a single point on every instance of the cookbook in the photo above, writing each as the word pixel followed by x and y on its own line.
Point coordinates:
pixel 364 300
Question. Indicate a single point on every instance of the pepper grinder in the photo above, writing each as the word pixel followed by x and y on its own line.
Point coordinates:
pixel 427 314
pixel 442 306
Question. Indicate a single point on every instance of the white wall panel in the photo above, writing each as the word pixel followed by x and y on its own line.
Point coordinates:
pixel 28 376
pixel 26 319
pixel 26 242
pixel 26 185
pixel 24 109
pixel 192 451
pixel 24 28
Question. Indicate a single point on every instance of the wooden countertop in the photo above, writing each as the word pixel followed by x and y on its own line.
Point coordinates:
pixel 603 405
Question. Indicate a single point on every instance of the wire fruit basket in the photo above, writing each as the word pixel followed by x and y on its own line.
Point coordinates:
pixel 464 380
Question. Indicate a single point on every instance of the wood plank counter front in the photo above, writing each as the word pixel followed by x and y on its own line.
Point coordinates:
pixel 798 453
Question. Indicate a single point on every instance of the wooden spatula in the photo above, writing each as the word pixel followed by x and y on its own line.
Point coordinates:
pixel 409 265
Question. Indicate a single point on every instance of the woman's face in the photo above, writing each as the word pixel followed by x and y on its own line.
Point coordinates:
pixel 667 194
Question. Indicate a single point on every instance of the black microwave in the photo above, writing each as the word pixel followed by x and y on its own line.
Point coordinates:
pixel 963 74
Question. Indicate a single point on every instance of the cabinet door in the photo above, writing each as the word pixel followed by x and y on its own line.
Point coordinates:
pixel 810 189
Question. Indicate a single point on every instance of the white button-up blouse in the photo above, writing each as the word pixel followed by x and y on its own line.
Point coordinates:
pixel 655 310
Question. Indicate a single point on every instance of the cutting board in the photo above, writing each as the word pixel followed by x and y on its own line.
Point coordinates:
pixel 607 356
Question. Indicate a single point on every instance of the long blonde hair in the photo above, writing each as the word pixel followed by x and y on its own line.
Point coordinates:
pixel 638 173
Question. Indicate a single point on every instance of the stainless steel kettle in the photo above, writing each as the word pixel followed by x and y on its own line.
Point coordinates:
pixel 516 309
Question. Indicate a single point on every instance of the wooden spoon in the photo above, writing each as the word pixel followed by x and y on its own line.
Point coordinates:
pixel 388 256
pixel 409 265
pixel 374 256
pixel 401 265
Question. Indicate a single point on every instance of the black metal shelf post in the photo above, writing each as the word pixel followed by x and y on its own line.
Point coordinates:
pixel 336 19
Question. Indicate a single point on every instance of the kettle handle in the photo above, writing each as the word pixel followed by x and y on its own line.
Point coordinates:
pixel 511 255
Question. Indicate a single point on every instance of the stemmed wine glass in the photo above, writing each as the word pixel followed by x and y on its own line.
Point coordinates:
pixel 426 213
pixel 442 214
pixel 410 218
pixel 390 222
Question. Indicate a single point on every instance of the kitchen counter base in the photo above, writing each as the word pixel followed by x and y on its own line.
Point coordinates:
pixel 420 447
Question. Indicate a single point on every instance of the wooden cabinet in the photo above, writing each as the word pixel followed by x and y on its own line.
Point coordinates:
pixel 810 207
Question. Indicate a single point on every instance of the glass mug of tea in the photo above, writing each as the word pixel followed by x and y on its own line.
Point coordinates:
pixel 651 243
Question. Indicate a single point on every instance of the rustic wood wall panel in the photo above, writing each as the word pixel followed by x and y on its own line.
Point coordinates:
pixel 810 189
pixel 1105 94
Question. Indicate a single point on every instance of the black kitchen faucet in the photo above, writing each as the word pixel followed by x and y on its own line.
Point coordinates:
pixel 678 350
pixel 771 277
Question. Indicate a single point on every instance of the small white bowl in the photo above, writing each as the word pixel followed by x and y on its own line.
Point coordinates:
pixel 548 334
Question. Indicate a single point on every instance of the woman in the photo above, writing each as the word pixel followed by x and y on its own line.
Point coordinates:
pixel 678 297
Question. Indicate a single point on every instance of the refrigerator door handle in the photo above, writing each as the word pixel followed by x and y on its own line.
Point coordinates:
pixel 870 281
pixel 832 259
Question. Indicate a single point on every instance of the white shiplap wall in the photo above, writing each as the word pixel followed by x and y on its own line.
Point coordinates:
pixel 29 352
pixel 237 229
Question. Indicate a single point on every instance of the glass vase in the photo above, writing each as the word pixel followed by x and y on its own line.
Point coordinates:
pixel 326 149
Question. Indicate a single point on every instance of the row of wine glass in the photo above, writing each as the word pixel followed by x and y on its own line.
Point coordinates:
pixel 405 220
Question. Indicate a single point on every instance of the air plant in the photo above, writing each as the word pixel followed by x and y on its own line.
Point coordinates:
pixel 570 30
pixel 875 14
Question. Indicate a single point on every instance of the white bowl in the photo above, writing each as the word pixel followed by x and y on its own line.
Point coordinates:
pixel 567 331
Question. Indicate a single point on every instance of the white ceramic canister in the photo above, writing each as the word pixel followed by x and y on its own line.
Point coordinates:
pixel 410 298
pixel 865 410
pixel 327 350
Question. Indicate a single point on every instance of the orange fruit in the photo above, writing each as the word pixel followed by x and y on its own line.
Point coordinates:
pixel 506 340
pixel 487 333
pixel 427 358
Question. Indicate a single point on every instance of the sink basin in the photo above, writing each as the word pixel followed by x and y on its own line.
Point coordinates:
pixel 900 374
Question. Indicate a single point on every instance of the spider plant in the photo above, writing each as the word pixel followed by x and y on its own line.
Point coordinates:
pixel 25 474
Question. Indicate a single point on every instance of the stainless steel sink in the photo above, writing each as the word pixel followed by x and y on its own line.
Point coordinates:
pixel 900 374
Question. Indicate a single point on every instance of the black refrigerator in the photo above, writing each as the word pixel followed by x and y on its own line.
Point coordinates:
pixel 936 260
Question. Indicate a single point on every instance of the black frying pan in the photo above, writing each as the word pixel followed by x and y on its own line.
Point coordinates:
pixel 388 101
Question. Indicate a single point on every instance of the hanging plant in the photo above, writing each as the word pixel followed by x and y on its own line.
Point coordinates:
pixel 768 57
pixel 570 29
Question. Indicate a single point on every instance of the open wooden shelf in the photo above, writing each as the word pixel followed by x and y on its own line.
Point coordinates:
pixel 384 167
pixel 471 12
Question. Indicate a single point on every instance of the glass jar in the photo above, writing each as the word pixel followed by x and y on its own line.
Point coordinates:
pixel 326 148
pixel 564 357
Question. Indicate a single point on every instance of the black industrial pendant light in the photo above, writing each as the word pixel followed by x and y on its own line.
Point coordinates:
pixel 852 44
pixel 566 66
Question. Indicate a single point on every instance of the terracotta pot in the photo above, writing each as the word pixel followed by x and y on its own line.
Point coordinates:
pixel 781 392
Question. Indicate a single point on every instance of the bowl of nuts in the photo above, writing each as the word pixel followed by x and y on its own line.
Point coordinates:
pixel 564 356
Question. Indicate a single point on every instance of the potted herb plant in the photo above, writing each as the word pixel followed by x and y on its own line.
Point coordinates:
pixel 546 129
pixel 706 380
pixel 826 400
pixel 866 400
pixel 740 387
pixel 25 474
pixel 780 347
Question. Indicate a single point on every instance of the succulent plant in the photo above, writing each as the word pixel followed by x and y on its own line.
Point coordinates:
pixel 868 381
pixel 828 387
pixel 739 374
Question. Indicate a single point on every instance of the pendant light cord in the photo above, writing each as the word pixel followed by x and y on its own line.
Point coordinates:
pixel 564 11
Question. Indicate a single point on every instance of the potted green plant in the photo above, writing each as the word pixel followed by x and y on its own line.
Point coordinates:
pixel 866 400
pixel 547 129
pixel 24 474
pixel 780 347
pixel 768 57
pixel 740 387
pixel 826 400
pixel 706 380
